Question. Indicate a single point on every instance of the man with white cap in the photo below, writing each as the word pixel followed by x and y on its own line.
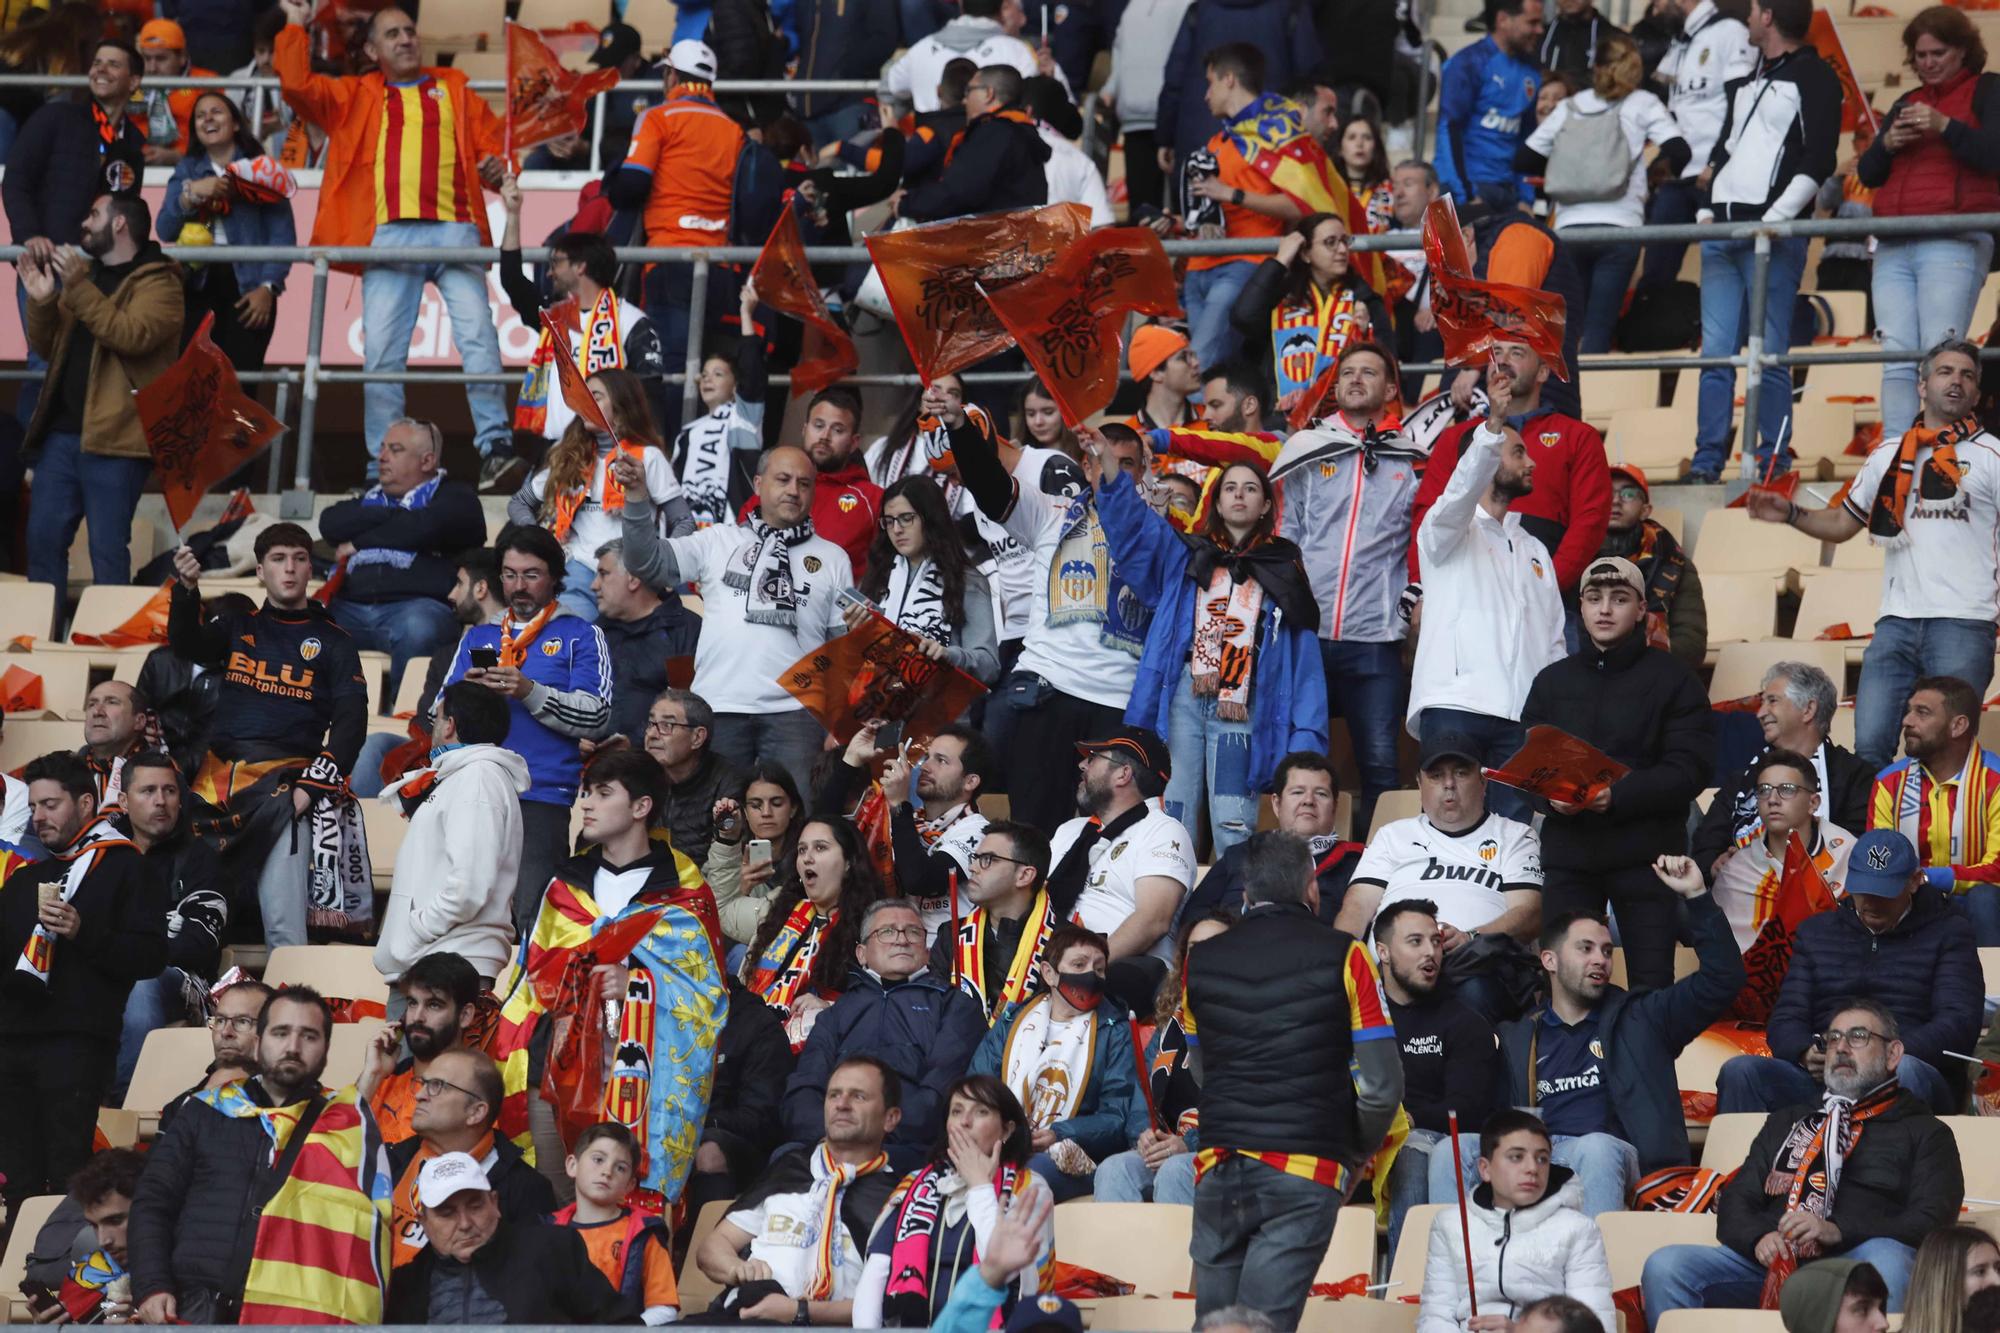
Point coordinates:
pixel 480 1268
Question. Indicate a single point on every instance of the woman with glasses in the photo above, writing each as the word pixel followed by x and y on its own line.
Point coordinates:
pixel 921 579
pixel 1305 304
pixel 799 960
pixel 756 836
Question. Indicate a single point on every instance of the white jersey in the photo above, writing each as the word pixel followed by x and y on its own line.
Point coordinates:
pixel 1156 845
pixel 737 662
pixel 1711 53
pixel 1746 888
pixel 1945 565
pixel 1466 874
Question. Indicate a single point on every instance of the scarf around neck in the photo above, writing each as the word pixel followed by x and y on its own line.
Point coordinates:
pixel 82 854
pixel 830 1182
pixel 1085 587
pixel 785 967
pixel 1941 474
pixel 915 601
pixel 1808 1165
pixel 514 642
pixel 601 347
pixel 1225 642
pixel 563 508
pixel 935 1199
pixel 1023 979
pixel 417 497
pixel 762 572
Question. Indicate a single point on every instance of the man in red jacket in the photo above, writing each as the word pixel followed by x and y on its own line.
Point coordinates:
pixel 1571 503
pixel 847 506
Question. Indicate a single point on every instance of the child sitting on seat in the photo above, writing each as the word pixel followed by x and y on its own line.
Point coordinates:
pixel 628 1246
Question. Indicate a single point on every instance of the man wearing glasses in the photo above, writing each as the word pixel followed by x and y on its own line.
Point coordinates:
pixel 897 1010
pixel 678 727
pixel 1008 921
pixel 1903 943
pixel 1749 884
pixel 232 1036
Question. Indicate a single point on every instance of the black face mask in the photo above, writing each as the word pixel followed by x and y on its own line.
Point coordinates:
pixel 1081 989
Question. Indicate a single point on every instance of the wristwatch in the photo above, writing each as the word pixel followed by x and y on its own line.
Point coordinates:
pixel 1237 198
pixel 804 1316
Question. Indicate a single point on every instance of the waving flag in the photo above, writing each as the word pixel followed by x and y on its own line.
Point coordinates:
pixel 200 425
pixel 1473 314
pixel 544 100
pixel 1824 37
pixel 785 282
pixel 557 319
pixel 147 625
pixel 879 671
pixel 1801 891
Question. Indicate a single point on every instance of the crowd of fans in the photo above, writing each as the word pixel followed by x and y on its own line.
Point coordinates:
pixel 889 1021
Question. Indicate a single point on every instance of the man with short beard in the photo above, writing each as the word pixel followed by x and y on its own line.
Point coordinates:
pixel 440 993
pixel 232 1037
pixel 1862 1174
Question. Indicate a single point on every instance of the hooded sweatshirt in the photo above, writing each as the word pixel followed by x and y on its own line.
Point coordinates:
pixel 1810 1299
pixel 1519 1255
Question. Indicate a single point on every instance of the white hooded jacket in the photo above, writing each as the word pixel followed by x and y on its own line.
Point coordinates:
pixel 455 872
pixel 1518 1256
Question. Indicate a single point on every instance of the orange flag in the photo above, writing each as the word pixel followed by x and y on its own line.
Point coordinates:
pixel 1066 318
pixel 880 671
pixel 932 276
pixel 1556 765
pixel 1473 314
pixel 20 691
pixel 544 100
pixel 200 425
pixel 1824 37
pixel 1802 892
pixel 575 390
pixel 146 625
pixel 785 282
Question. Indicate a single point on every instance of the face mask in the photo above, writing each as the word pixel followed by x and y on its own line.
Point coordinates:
pixel 1081 989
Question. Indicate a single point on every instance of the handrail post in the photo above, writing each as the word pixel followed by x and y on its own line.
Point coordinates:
pixel 309 395
pixel 1753 354
pixel 697 317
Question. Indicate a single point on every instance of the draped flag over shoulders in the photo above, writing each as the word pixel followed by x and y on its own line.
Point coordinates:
pixel 200 426
pixel 544 100
pixel 1473 314
pixel 785 282
pixel 1066 319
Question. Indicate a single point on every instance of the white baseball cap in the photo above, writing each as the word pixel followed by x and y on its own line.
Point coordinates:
pixel 694 59
pixel 449 1174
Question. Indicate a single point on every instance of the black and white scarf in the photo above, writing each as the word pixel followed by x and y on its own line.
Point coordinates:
pixel 916 601
pixel 762 572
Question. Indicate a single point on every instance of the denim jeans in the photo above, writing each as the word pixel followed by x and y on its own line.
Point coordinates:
pixel 1606 1166
pixel 792 738
pixel 1259 1236
pixel 71 486
pixel 1498 738
pixel 668 298
pixel 406 628
pixel 1726 271
pixel 1673 204
pixel 1212 756
pixel 152 1005
pixel 366 779
pixel 1715 1277
pixel 1366 684
pixel 1903 650
pixel 1125 1178
pixel 576 598
pixel 1062 1185
pixel 1765 1083
pixel 392 294
pixel 1924 290
pixel 1606 271
pixel 1208 295
pixel 1410 1178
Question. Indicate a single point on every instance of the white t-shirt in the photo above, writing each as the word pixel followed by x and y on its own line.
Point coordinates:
pixel 784 1232
pixel 737 663
pixel 1645 119
pixel 614 890
pixel 1466 874
pixel 13 809
pixel 1074 657
pixel 593 527
pixel 1156 845
pixel 1946 565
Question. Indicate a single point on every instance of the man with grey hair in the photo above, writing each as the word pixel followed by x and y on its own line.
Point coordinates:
pixel 896 1010
pixel 398 544
pixel 1235 1319
pixel 1299 1085
pixel 643 630
pixel 1795 709
pixel 1932 502
pixel 677 730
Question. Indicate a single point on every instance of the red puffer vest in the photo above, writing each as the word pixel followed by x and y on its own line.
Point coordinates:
pixel 1927 176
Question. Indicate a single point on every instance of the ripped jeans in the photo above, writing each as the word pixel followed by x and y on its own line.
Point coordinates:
pixel 1212 757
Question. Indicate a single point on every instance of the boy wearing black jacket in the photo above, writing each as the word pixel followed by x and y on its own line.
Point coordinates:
pixel 1647 710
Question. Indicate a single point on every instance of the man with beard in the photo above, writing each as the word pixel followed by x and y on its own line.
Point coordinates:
pixel 845 501
pixel 1945 798
pixel 232 1037
pixel 1862 1174
pixel 1937 518
pixel 108 318
pixel 679 726
pixel 440 994
pixel 115 717
pixel 1451 1060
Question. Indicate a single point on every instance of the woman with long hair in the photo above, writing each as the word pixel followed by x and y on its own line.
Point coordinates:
pixel 1953 1264
pixel 1231 658
pixel 767 812
pixel 798 962
pixel 938 1221
pixel 1306 303
pixel 915 437
pixel 1364 165
pixel 1609 196
pixel 920 577
pixel 577 494
pixel 1040 422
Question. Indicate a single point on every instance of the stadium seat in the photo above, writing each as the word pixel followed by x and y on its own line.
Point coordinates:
pixel 1355 1315
pixel 654 19
pixel 1731 543
pixel 1720 1321
pixel 1630 1237
pixel 464 23
pixel 1986 1219
pixel 1831 597
pixel 1740 667
pixel 103 607
pixel 28 608
pixel 1608 391
pixel 1658 440
pixel 1145 1244
pixel 1686 964
pixel 1143 1312
pixel 1979 1151
pixel 1850 320
pixel 1740 606
pixel 698 1290
pixel 1402 803
pixel 386 828
pixel 1729 1139
pixel 1406 1265
pixel 1821 433
pixel 1352 1249
pixel 375 670
pixel 409 692
pixel 14 1264
pixel 65 679
pixel 1673 521
pixel 1696 1067
pixel 1989 965
pixel 342 971
pixel 31 737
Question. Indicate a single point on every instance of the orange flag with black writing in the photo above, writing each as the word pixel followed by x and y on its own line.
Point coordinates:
pixel 933 276
pixel 1557 766
pixel 200 425
pixel 575 390
pixel 785 282
pixel 1472 313
pixel 1066 319
pixel 544 100
pixel 879 671
pixel 1802 891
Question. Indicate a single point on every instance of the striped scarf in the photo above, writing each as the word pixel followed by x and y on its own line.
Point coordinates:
pixel 1945 818
pixel 417 497
pixel 830 1182
pixel 785 968
pixel 39 953
pixel 762 571
pixel 603 347
pixel 1023 980
pixel 1940 477
pixel 1807 1169
pixel 914 1297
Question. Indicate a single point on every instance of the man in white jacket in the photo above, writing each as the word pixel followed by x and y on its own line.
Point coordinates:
pixel 454 883
pixel 1493 616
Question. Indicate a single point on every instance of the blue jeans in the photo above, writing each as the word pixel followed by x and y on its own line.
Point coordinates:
pixel 1212 756
pixel 1259 1236
pixel 576 598
pixel 1606 271
pixel 152 1005
pixel 71 486
pixel 1673 204
pixel 792 738
pixel 1208 294
pixel 1061 1184
pixel 1125 1178
pixel 668 298
pixel 406 628
pixel 1497 737
pixel 366 780
pixel 1606 1166
pixel 391 295
pixel 1410 1178
pixel 1902 651
pixel 1726 271
pixel 1715 1277
pixel 1924 290
pixel 1765 1083
pixel 1366 684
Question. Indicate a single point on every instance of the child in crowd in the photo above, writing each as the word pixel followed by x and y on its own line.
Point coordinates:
pixel 628 1246
pixel 1530 1238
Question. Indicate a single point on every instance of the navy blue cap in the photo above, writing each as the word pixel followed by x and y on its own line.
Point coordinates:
pixel 1881 864
pixel 1044 1312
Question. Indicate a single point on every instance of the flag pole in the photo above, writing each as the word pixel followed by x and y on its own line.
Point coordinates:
pixel 954 931
pixel 1464 1216
pixel 507 118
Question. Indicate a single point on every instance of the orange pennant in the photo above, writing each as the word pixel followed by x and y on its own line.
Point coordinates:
pixel 575 389
pixel 145 626
pixel 200 425
pixel 20 691
pixel 1559 767
pixel 933 275
pixel 879 671
pixel 1473 314
pixel 544 100
pixel 1824 37
pixel 785 282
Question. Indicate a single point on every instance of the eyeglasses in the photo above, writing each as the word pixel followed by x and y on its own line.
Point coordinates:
pixel 1785 789
pixel 1340 242
pixel 985 860
pixel 431 1087
pixel 1858 1038
pixel 893 521
pixel 1627 493
pixel 892 934
pixel 235 1023
pixel 666 728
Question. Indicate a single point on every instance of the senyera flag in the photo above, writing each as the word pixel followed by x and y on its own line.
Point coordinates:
pixel 785 282
pixel 1066 318
pixel 200 425
pixel 1473 314
pixel 544 100
pixel 575 391
pixel 933 277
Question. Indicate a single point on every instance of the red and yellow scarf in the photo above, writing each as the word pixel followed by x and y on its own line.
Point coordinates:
pixel 832 1179
pixel 601 348
pixel 783 972
pixel 1023 980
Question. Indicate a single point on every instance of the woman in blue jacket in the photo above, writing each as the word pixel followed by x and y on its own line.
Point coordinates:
pixel 201 205
pixel 1231 671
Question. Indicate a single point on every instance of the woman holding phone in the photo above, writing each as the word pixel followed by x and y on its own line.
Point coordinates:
pixel 920 577
pixel 755 833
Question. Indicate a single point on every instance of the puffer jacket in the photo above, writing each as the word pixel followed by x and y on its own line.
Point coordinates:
pixel 1111 1114
pixel 1352 524
pixel 1519 1255
pixel 135 334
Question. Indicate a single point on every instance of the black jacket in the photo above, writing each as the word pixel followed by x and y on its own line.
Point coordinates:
pixel 1733 812
pixel 748 45
pixel 690 805
pixel 539 1274
pixel 434 535
pixel 55 169
pixel 1902 1180
pixel 183 701
pixel 1222 886
pixel 639 651
pixel 843 39
pixel 1570 45
pixel 197 903
pixel 1644 708
pixel 753 1058
pixel 997 165
pixel 1451 1061
pixel 525 1194
pixel 1251 314
pixel 121 909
